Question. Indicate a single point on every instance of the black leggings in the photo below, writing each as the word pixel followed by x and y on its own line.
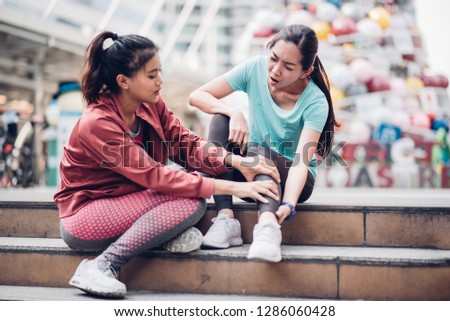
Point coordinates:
pixel 218 134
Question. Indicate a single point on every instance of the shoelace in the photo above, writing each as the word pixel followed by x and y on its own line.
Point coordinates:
pixel 105 266
pixel 218 219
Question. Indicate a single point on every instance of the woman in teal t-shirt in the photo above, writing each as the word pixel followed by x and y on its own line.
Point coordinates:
pixel 290 124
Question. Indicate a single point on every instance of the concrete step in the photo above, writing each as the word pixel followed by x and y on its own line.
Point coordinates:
pixel 317 272
pixel 391 225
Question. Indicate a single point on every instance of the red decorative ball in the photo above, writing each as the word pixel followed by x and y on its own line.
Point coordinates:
pixel 378 83
pixel 435 81
pixel 343 26
pixel 263 32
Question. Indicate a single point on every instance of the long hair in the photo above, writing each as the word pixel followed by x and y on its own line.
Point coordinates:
pixel 126 55
pixel 305 39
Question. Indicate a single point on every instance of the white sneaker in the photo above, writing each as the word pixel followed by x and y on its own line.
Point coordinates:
pixel 98 277
pixel 224 232
pixel 266 242
pixel 188 241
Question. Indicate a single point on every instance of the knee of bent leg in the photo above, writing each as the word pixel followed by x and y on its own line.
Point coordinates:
pixel 219 128
pixel 264 177
pixel 202 204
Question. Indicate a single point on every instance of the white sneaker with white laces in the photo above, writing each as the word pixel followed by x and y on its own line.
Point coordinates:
pixel 224 232
pixel 266 242
pixel 98 277
pixel 188 241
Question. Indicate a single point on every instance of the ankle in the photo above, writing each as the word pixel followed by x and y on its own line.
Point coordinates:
pixel 267 217
pixel 227 212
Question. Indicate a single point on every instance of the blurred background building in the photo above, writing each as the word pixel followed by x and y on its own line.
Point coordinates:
pixel 393 108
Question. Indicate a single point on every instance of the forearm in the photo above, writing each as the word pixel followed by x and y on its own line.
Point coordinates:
pixel 209 104
pixel 295 182
pixel 223 187
pixel 232 160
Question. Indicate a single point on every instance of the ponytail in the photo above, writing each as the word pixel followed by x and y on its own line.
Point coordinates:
pixel 320 78
pixel 92 81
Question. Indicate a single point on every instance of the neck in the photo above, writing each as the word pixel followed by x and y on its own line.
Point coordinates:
pixel 129 106
pixel 298 86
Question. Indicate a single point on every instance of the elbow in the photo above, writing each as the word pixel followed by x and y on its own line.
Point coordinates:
pixel 193 99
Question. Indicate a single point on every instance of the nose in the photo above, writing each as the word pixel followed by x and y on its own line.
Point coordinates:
pixel 159 80
pixel 276 68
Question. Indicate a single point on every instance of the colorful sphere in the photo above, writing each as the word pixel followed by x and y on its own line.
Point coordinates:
pixel 440 123
pixel 343 26
pixel 301 17
pixel 378 83
pixel 352 10
pixel 435 81
pixel 398 86
pixel 421 120
pixel 362 70
pixel 336 93
pixel 355 89
pixel 369 28
pixel 341 76
pixel 380 16
pixel 414 83
pixel 327 12
pixel 401 119
pixel 321 28
pixel 359 132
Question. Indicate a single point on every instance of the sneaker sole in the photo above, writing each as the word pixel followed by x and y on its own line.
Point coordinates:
pixel 255 254
pixel 188 241
pixel 233 242
pixel 79 284
pixel 264 258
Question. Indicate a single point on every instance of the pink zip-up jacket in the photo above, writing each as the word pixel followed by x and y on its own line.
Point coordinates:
pixel 102 160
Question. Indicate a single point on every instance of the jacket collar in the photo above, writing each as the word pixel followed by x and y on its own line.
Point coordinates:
pixel 147 112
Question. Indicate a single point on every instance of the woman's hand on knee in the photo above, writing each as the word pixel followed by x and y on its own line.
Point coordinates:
pixel 258 190
pixel 252 166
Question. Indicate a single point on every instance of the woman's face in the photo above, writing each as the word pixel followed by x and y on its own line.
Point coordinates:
pixel 146 84
pixel 284 65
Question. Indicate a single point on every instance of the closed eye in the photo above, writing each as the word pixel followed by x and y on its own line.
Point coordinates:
pixel 154 73
pixel 275 59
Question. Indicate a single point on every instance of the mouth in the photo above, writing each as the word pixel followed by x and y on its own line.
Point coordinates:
pixel 273 81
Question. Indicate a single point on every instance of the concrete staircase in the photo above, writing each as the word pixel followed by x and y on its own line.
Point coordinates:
pixel 330 251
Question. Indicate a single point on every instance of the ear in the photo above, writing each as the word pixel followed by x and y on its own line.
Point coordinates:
pixel 122 81
pixel 305 74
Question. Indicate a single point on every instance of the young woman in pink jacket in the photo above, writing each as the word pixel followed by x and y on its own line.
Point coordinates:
pixel 116 194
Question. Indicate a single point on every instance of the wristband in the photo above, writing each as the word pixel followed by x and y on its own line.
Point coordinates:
pixel 292 208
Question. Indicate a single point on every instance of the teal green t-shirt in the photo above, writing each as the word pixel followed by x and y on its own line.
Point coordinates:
pixel 270 125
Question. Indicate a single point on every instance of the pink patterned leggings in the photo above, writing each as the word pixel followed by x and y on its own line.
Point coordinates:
pixel 128 225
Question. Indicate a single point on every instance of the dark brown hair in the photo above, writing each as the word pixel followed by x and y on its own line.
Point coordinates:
pixel 126 55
